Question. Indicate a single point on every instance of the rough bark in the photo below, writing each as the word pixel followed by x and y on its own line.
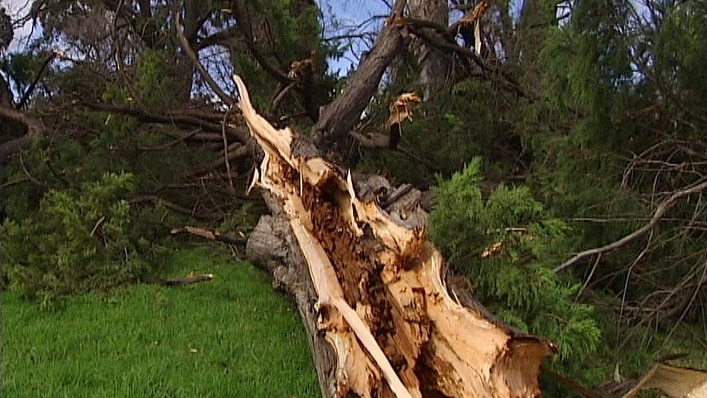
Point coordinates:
pixel 371 288
pixel 338 118
pixel 434 62
pixel 34 128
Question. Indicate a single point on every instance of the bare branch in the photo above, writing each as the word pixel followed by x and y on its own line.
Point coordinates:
pixel 177 117
pixel 30 89
pixel 195 59
pixel 660 211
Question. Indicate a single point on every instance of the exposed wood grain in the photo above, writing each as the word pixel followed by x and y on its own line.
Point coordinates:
pixel 377 288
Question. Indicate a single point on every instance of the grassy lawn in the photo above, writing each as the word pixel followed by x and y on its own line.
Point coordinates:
pixel 231 337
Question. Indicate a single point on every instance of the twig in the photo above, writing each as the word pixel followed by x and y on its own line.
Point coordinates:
pixel 660 211
pixel 98 224
pixel 14 182
pixel 30 176
pixel 172 143
pixel 693 297
pixel 119 61
pixel 589 278
pixel 280 96
pixel 174 207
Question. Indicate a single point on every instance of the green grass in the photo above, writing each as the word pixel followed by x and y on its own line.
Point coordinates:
pixel 230 337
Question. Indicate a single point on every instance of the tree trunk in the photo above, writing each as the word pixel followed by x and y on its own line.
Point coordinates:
pixel 338 118
pixel 370 288
pixel 434 63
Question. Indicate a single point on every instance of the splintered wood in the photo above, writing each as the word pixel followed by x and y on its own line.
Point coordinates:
pixel 381 300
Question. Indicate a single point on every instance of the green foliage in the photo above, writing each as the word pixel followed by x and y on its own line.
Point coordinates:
pixel 507 245
pixel 75 242
pixel 619 128
pixel 21 68
pixel 291 31
pixel 156 87
pixel 445 134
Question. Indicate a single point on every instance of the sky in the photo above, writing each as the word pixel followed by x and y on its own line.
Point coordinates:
pixel 17 9
pixel 357 17
pixel 354 17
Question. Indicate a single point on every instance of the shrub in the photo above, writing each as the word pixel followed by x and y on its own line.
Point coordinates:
pixel 77 241
pixel 508 245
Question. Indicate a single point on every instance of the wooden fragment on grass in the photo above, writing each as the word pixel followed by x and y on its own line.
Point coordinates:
pixel 380 300
pixel 206 233
pixel 188 280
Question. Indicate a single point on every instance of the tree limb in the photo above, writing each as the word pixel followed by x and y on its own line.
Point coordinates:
pixel 38 76
pixel 207 234
pixel 339 117
pixel 34 127
pixel 241 13
pixel 217 38
pixel 447 42
pixel 176 116
pixel 660 211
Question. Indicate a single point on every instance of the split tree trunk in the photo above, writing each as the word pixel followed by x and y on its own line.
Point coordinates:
pixel 370 288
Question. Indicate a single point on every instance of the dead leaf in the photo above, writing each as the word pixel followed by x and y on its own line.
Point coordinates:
pixel 403 107
pixel 476 13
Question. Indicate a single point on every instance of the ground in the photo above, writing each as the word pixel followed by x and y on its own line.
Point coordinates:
pixel 231 337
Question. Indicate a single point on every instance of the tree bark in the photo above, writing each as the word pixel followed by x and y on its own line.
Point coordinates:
pixel 434 63
pixel 34 128
pixel 371 288
pixel 338 118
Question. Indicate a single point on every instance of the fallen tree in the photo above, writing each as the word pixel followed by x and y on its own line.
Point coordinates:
pixel 370 287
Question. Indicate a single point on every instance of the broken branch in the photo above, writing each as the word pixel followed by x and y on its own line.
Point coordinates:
pixel 207 234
